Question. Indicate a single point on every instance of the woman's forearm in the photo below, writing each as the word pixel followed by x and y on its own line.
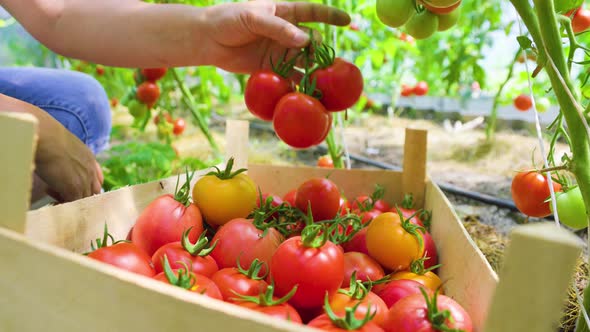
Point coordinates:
pixel 91 31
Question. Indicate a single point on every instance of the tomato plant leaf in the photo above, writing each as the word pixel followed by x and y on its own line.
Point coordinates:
pixel 562 6
pixel 524 42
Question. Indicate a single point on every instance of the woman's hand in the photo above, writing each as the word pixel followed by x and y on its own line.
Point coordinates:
pixel 244 35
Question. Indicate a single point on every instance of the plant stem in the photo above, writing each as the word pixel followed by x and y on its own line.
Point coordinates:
pixel 190 102
pixel 548 41
pixel 491 125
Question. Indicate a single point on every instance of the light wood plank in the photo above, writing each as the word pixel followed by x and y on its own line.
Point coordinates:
pixel 17 151
pixel 51 289
pixel 414 178
pixel 465 272
pixel 236 140
pixel 538 267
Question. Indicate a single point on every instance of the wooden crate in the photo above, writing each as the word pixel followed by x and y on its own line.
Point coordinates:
pixel 46 285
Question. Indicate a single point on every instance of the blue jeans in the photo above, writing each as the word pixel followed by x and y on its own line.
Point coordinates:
pixel 74 99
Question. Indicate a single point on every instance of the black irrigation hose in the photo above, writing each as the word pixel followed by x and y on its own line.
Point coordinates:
pixel 476 196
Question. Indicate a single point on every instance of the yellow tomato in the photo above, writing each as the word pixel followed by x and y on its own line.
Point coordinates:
pixel 428 279
pixel 222 195
pixel 393 243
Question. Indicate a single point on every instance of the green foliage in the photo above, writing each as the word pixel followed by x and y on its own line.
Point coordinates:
pixel 562 6
pixel 140 162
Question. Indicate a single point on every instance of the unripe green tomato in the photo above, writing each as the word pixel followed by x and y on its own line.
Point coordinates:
pixel 137 109
pixel 445 22
pixel 571 208
pixel 395 13
pixel 422 25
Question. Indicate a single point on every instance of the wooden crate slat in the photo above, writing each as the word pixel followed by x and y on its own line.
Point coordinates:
pixel 538 267
pixel 50 289
pixel 414 175
pixel 465 272
pixel 17 143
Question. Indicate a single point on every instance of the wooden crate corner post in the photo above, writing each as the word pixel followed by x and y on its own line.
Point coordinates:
pixel 537 269
pixel 414 173
pixel 236 144
pixel 18 146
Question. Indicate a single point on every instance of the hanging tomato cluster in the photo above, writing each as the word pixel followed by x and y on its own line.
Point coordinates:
pixel 146 92
pixel 301 113
pixel 311 257
pixel 421 18
pixel 420 89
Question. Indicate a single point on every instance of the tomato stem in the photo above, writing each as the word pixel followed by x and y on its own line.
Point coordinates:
pixel 349 321
pixel 437 318
pixel 101 243
pixel 254 269
pixel 266 299
pixel 412 228
pixel 356 289
pixel 199 248
pixel 182 195
pixel 227 173
pixel 314 236
pixel 185 278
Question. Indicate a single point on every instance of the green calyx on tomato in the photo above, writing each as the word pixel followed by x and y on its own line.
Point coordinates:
pixel 254 270
pixel 349 321
pixel 408 201
pixel 437 318
pixel 283 68
pixel 357 289
pixel 101 243
pixel 267 299
pixel 185 279
pixel 227 173
pixel 412 228
pixel 342 229
pixel 417 266
pixel 315 235
pixel 182 195
pixel 198 248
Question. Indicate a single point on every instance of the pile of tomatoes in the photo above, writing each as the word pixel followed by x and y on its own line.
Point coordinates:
pixel 311 257
pixel 301 113
pixel 530 193
pixel 421 18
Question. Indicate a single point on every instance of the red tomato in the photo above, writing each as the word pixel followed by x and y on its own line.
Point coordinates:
pixel 164 221
pixel 344 206
pixel 126 256
pixel 429 251
pixel 235 280
pixel 301 121
pixel 315 270
pixel 153 74
pixel 322 195
pixel 194 282
pixel 407 91
pixel 358 243
pixel 410 314
pixel 114 102
pixel 325 323
pixel 179 125
pixel 371 303
pixel 195 256
pixel 366 268
pixel 421 88
pixel 366 217
pixel 381 205
pixel 363 203
pixel 263 91
pixel 290 197
pixel 529 192
pixel 282 311
pixel 341 85
pixel 239 238
pixel 325 162
pixel 354 27
pixel 148 93
pixel 99 70
pixel 396 290
pixel 275 200
pixel 581 20
pixel 523 102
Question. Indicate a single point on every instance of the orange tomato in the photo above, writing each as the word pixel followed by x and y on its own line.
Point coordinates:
pixel 394 243
pixel 339 302
pixel 428 279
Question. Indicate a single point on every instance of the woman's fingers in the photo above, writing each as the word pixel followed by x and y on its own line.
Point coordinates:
pixel 297 12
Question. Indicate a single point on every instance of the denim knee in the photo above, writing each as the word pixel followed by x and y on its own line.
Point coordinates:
pixel 74 99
